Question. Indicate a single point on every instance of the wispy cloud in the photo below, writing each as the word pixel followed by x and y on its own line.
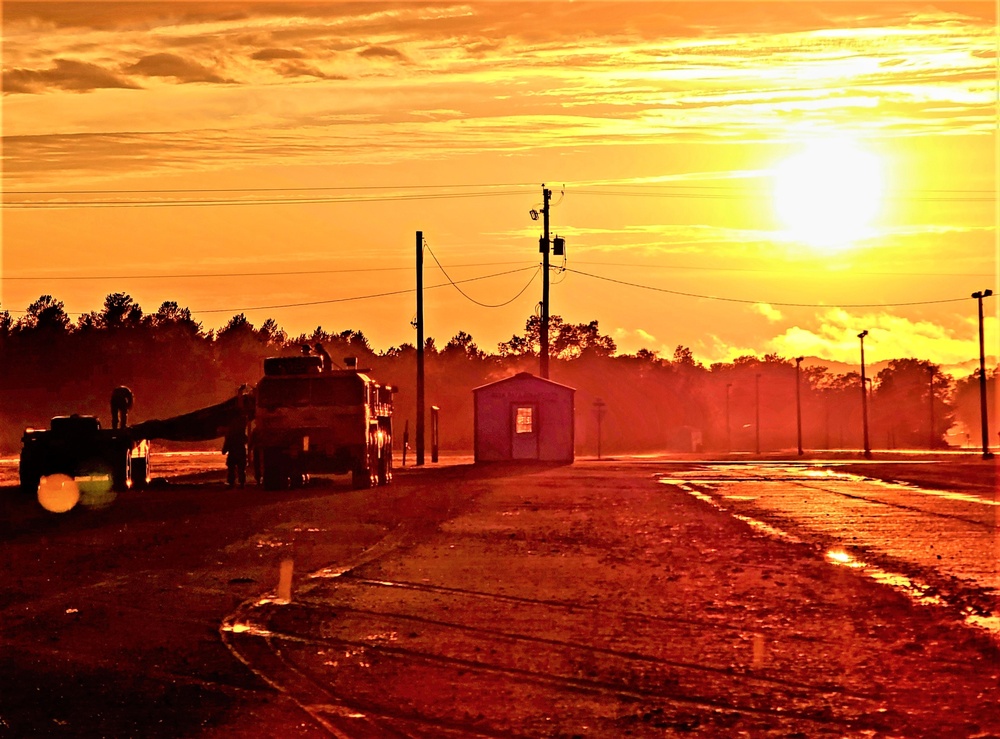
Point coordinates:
pixel 65 74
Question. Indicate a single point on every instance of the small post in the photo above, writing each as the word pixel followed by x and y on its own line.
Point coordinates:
pixel 285 580
pixel 434 433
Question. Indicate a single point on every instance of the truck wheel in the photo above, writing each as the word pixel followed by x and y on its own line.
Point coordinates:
pixel 385 466
pixel 30 479
pixel 361 477
pixel 140 472
pixel 121 472
pixel 274 475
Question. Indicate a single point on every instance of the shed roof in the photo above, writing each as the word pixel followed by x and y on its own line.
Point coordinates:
pixel 522 376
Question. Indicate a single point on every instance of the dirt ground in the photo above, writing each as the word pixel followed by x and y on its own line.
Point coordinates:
pixel 579 601
pixel 592 601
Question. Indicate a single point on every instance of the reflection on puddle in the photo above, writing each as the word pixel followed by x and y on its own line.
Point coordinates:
pixel 244 628
pixel 917 591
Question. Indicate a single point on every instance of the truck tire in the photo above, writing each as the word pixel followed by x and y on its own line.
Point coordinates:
pixel 385 465
pixel 29 475
pixel 274 475
pixel 121 471
pixel 140 472
pixel 361 476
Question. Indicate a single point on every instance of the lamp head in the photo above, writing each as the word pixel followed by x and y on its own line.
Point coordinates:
pixel 863 334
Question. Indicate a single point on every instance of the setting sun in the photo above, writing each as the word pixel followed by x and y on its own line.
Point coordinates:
pixel 828 195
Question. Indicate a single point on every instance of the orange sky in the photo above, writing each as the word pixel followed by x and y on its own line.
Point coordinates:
pixel 659 126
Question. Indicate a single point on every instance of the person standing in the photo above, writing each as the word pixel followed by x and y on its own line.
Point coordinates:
pixel 121 404
pixel 235 449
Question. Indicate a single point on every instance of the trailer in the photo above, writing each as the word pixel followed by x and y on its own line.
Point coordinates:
pixel 78 447
pixel 312 419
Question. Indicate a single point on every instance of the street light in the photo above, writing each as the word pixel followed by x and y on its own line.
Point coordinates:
pixel 987 454
pixel 798 403
pixel 729 438
pixel 864 396
pixel 757 412
pixel 930 371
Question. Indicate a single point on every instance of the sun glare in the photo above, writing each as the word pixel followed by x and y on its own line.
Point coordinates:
pixel 828 195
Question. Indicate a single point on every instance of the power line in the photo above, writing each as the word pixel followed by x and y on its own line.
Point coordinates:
pixel 267 189
pixel 985 198
pixel 762 270
pixel 470 298
pixel 57 204
pixel 242 274
pixel 341 300
pixel 768 302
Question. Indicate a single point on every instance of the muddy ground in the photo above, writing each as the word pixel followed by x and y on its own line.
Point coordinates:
pixel 587 600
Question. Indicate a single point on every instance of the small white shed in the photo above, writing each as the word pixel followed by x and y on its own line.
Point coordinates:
pixel 524 417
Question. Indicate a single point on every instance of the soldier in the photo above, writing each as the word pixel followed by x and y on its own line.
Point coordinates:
pixel 235 449
pixel 121 404
pixel 327 359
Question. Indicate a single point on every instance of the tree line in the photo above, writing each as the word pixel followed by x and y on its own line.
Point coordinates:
pixel 51 365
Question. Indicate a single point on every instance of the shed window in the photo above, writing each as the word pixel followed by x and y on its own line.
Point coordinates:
pixel 525 420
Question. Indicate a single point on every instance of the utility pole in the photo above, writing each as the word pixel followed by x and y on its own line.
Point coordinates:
pixel 987 454
pixel 420 348
pixel 543 331
pixel 798 403
pixel 864 396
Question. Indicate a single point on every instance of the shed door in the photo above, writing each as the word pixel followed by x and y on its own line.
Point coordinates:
pixel 524 431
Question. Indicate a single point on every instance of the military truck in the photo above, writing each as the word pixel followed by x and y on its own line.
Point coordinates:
pixel 77 446
pixel 312 419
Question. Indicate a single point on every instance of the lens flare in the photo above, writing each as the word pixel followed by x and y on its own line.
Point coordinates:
pixel 58 493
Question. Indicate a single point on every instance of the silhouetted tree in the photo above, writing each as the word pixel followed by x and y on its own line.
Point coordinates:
pixel 44 315
pixel 120 311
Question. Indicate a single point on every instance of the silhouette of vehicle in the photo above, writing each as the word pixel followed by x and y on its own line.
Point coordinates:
pixel 312 420
pixel 77 446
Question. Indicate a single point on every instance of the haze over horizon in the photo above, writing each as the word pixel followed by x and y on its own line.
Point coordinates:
pixel 738 178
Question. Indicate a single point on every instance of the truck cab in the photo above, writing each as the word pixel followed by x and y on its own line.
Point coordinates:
pixel 312 420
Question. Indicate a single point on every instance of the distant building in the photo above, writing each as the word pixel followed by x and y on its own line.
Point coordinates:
pixel 524 417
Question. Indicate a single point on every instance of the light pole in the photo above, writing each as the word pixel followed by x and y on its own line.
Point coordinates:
pixel 756 420
pixel 864 395
pixel 987 454
pixel 729 438
pixel 798 403
pixel 931 404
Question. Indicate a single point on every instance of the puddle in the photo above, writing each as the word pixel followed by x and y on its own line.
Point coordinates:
pixel 245 628
pixel 918 592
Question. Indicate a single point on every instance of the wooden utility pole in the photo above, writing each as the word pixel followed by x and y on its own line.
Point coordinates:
pixel 543 331
pixel 420 348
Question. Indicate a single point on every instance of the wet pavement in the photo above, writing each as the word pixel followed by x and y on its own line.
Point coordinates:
pixel 628 599
pixel 933 544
